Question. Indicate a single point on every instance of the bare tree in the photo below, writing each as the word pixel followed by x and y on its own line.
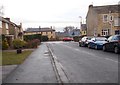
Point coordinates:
pixel 1 10
pixel 67 29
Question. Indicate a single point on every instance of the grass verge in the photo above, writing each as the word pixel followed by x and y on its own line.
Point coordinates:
pixel 12 58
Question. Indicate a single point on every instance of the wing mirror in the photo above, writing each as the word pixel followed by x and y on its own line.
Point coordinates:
pixel 106 40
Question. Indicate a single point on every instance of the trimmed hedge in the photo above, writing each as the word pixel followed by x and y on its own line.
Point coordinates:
pixel 31 37
pixel 35 36
pixel 45 38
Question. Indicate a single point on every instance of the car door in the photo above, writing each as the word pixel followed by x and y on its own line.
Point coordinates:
pixel 92 43
pixel 111 43
pixel 108 44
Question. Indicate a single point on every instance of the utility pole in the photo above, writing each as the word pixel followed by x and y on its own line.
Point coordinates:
pixel 80 24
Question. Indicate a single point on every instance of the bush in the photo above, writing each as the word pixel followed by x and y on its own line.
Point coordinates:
pixel 17 43
pixel 32 37
pixel 33 43
pixel 44 38
pixel 76 38
pixel 5 45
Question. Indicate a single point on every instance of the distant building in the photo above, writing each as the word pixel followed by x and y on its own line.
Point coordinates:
pixel 103 20
pixel 75 32
pixel 83 30
pixel 60 35
pixel 43 31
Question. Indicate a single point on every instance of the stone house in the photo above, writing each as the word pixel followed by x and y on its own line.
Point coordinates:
pixel 49 32
pixel 83 30
pixel 103 20
pixel 10 30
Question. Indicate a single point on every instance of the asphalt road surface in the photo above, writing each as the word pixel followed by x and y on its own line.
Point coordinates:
pixel 84 65
pixel 54 62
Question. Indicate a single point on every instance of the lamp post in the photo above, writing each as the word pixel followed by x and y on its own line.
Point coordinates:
pixel 80 24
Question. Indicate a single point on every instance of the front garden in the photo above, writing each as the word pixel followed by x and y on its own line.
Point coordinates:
pixel 14 54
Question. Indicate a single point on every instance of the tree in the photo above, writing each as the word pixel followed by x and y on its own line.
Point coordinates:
pixel 68 29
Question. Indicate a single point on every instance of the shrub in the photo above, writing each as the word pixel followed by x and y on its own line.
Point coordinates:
pixel 17 43
pixel 44 38
pixel 32 37
pixel 33 43
pixel 76 38
pixel 5 44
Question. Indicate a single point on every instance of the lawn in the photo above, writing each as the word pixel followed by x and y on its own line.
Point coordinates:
pixel 12 58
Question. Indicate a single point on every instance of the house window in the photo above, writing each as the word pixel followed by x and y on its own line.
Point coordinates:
pixel 111 18
pixel 0 24
pixel 117 32
pixel 105 32
pixel 116 21
pixel 105 18
pixel 6 25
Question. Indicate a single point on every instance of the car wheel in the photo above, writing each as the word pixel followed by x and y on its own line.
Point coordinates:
pixel 79 45
pixel 88 45
pixel 96 47
pixel 104 48
pixel 116 50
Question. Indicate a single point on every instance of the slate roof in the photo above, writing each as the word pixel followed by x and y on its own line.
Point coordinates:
pixel 4 20
pixel 107 8
pixel 39 30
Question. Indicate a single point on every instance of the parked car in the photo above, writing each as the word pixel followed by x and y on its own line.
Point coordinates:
pixel 113 44
pixel 84 41
pixel 67 39
pixel 97 42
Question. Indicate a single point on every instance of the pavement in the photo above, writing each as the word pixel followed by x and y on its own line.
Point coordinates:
pixel 7 69
pixel 37 68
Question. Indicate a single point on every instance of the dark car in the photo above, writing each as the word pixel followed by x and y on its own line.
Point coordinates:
pixel 113 44
pixel 97 42
pixel 84 41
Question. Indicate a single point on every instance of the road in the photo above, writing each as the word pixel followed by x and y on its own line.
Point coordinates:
pixel 84 65
pixel 66 62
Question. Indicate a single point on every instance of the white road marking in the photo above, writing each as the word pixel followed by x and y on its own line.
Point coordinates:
pixel 93 55
pixel 111 60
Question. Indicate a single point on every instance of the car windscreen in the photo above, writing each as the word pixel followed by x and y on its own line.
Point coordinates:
pixel 100 39
pixel 118 37
pixel 89 38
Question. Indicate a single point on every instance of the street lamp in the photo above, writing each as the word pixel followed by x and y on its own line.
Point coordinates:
pixel 80 23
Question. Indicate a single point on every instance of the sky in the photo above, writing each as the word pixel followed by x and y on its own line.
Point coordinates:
pixel 46 13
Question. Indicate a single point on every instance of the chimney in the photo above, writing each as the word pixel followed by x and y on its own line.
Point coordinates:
pixel 21 25
pixel 51 27
pixel 90 6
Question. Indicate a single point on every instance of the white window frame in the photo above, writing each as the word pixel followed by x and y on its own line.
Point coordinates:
pixel 111 17
pixel 106 18
pixel 105 32
pixel 6 25
pixel 117 21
